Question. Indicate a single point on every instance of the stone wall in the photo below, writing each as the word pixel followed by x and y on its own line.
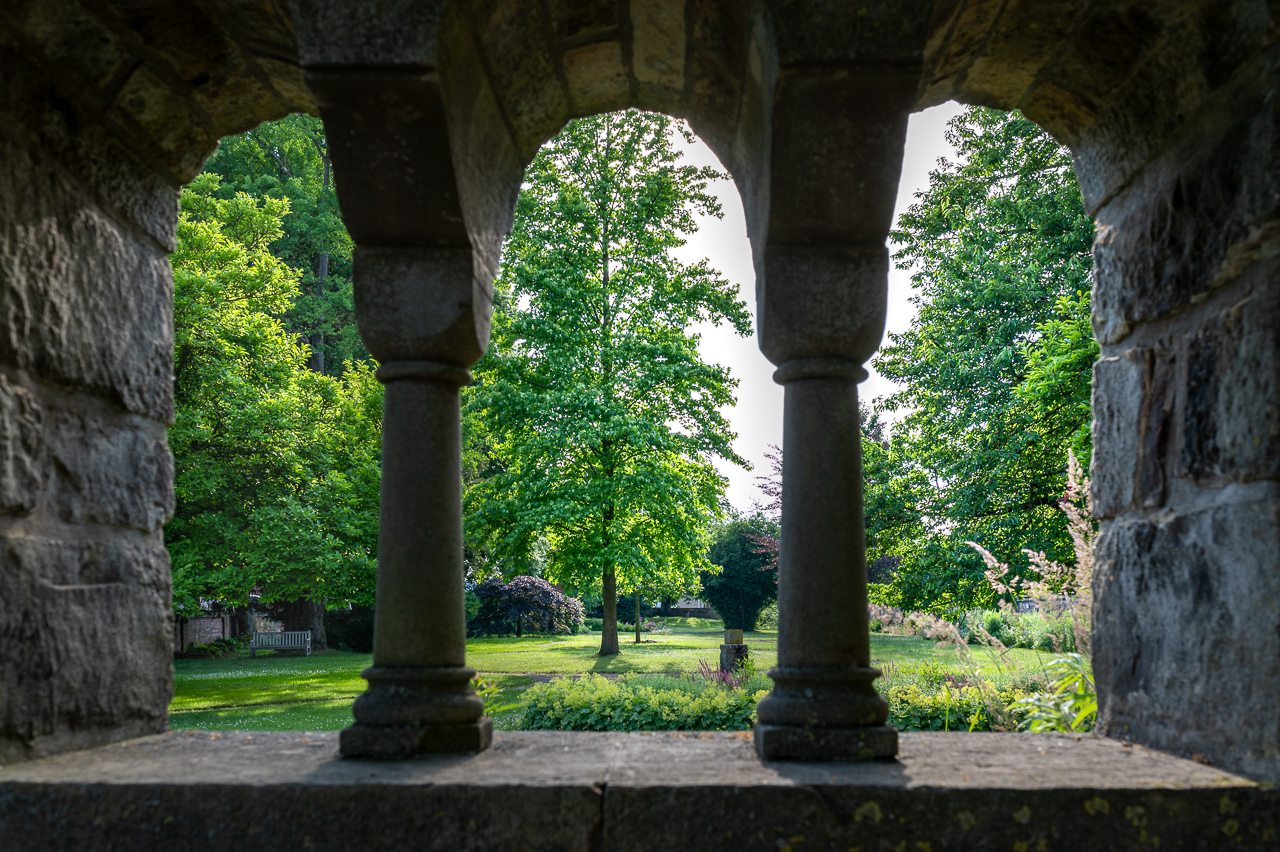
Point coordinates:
pixel 1187 424
pixel 103 113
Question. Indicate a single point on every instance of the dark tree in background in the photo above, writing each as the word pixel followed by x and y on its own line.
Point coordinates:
pixel 748 579
pixel 525 605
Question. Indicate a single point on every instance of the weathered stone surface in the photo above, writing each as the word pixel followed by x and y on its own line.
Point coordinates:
pixel 1185 638
pixel 1195 218
pixel 547 790
pixel 108 469
pixel 597 78
pixel 85 641
pixel 22 448
pixel 658 43
pixel 1119 390
pixel 1231 412
pixel 83 301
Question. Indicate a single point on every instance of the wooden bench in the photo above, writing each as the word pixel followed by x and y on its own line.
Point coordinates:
pixel 290 640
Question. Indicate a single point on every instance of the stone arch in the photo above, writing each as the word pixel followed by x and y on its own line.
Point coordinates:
pixel 513 74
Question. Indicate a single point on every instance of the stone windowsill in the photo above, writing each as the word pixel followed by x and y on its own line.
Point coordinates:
pixel 640 791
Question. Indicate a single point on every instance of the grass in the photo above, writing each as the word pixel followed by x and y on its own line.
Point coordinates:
pixel 278 692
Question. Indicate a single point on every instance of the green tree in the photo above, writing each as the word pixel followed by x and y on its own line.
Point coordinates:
pixel 276 466
pixel 289 160
pixel 603 419
pixel 996 365
pixel 747 581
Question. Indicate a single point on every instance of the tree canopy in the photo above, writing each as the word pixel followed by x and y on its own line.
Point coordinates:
pixel 747 581
pixel 288 160
pixel 276 466
pixel 602 419
pixel 995 368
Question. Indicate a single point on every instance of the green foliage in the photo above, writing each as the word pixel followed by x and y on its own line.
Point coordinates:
pixel 1035 630
pixel 947 707
pixel 747 581
pixel 276 467
pixel 600 420
pixel 996 365
pixel 1072 703
pixel 595 703
pixel 288 160
pixel 350 629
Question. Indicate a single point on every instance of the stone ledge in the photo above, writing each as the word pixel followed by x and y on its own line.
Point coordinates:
pixel 551 790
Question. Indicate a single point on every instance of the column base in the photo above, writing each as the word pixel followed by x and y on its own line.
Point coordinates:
pixel 390 742
pixel 785 742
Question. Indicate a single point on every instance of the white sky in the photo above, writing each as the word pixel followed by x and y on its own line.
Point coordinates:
pixel 757 418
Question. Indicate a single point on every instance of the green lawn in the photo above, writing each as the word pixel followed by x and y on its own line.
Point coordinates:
pixel 315 693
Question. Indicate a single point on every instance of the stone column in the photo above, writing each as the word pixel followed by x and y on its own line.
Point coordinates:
pixel 423 311
pixel 420 698
pixel 836 157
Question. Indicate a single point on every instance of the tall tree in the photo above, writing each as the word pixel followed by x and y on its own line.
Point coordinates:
pixel 995 366
pixel 289 159
pixel 604 419
pixel 276 466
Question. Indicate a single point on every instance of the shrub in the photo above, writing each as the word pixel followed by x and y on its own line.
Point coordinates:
pixel 747 581
pixel 593 623
pixel 350 629
pixel 594 703
pixel 526 604
pixel 768 619
pixel 951 707
pixel 1040 631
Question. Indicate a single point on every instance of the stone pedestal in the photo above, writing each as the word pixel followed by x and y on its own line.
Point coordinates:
pixel 732 656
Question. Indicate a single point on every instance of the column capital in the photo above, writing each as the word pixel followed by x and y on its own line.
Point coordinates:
pixel 822 302
pixel 422 303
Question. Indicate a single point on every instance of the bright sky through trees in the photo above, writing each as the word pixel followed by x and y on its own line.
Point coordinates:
pixel 757 418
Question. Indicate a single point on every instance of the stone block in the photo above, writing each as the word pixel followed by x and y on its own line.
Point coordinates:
pixel 1184 632
pixel 1194 218
pixel 1231 413
pixel 85 643
pixel 576 22
pixel 658 42
pixel 597 77
pixel 338 32
pixel 83 301
pixel 522 71
pixel 1176 96
pixel 786 742
pixel 166 119
pixel 22 448
pixel 108 470
pixel 1119 392
pixel 46 120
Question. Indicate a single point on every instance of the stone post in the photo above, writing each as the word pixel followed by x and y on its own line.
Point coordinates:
pixel 423 310
pixel 420 698
pixel 836 156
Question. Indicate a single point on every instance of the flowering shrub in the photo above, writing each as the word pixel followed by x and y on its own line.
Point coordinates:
pixel 525 605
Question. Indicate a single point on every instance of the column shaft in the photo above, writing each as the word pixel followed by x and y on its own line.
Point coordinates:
pixel 420 614
pixel 822 564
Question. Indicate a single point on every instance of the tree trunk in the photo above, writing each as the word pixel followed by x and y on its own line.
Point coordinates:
pixel 316 363
pixel 306 615
pixel 637 617
pixel 609 632
pixel 241 622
